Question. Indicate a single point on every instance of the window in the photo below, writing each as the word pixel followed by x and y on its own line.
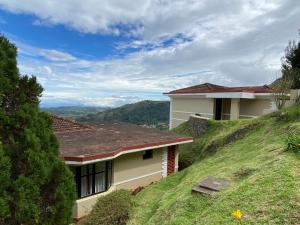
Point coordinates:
pixel 93 178
pixel 148 154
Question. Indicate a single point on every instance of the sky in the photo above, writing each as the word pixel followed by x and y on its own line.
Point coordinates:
pixel 114 52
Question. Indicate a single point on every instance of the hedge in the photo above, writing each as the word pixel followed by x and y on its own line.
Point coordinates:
pixel 111 209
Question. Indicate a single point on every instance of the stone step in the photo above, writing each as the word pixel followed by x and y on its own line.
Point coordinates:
pixel 213 183
pixel 202 190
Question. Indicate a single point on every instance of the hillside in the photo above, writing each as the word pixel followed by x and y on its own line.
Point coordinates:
pixel 74 111
pixel 265 179
pixel 150 113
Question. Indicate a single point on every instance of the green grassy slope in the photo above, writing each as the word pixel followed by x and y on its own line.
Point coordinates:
pixel 265 179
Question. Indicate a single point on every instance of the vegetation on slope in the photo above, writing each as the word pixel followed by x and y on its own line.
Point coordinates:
pixel 151 113
pixel 265 178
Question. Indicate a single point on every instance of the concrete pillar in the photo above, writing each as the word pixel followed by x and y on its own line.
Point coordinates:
pixel 171 112
pixel 235 109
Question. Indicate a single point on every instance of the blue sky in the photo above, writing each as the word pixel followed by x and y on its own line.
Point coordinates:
pixel 110 52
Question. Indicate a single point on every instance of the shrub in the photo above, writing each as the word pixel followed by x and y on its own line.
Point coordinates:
pixel 287 114
pixel 293 142
pixel 111 209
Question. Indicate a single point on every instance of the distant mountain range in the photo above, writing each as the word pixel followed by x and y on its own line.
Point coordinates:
pixel 74 111
pixel 146 113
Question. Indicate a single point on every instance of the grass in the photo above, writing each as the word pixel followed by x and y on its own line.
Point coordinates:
pixel 265 179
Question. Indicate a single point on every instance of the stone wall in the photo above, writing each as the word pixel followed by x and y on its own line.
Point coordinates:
pixel 198 125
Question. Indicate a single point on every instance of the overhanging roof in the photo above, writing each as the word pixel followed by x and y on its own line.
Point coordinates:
pixel 215 91
pixel 81 144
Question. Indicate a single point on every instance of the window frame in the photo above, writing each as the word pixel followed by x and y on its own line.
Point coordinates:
pixel 91 181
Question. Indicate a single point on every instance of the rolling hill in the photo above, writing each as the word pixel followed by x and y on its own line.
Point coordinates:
pixel 148 113
pixel 74 111
pixel 265 178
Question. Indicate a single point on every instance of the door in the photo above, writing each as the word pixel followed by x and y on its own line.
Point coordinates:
pixel 218 108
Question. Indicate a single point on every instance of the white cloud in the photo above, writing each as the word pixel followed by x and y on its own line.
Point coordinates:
pixel 230 42
pixel 55 55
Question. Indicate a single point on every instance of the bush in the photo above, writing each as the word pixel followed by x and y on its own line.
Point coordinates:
pixel 111 209
pixel 293 142
pixel 286 114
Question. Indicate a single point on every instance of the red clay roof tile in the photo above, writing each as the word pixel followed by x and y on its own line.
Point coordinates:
pixel 80 142
pixel 212 88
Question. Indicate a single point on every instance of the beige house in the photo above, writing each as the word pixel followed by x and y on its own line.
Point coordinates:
pixel 111 156
pixel 219 102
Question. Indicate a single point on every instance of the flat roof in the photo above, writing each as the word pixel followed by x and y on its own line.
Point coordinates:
pixel 212 88
pixel 82 143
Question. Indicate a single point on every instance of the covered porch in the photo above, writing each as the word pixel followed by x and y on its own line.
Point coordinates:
pixel 226 109
pixel 241 108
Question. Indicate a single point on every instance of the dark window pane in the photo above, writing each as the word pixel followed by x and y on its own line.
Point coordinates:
pixel 99 182
pixel 84 187
pixel 109 174
pixel 100 167
pixel 148 154
pixel 91 168
pixel 83 170
pixel 93 178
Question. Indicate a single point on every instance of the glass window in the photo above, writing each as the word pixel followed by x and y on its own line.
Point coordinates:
pixel 93 178
pixel 148 154
pixel 100 167
pixel 84 187
pixel 83 170
pixel 99 182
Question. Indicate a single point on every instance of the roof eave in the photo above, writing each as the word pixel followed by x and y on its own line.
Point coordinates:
pixel 223 94
pixel 82 160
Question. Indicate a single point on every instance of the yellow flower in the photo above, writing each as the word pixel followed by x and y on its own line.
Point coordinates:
pixel 298 145
pixel 237 214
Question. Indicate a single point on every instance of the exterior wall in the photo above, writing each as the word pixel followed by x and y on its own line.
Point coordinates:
pixel 255 107
pixel 130 171
pixel 164 165
pixel 183 107
pixel 127 168
pixel 176 158
pixel 83 206
pixel 294 95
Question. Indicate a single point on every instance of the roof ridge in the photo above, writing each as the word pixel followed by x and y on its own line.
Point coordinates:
pixel 73 125
pixel 211 86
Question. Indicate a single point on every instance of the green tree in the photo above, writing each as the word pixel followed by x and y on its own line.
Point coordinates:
pixel 291 64
pixel 36 187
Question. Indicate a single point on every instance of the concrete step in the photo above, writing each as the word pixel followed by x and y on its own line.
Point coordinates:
pixel 202 190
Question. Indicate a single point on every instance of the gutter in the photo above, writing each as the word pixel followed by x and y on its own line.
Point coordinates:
pixel 82 160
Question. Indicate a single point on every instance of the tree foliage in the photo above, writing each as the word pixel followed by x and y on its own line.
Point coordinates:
pixel 281 89
pixel 36 187
pixel 291 64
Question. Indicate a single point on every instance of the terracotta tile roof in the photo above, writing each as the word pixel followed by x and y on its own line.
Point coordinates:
pixel 82 143
pixel 212 88
pixel 61 124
